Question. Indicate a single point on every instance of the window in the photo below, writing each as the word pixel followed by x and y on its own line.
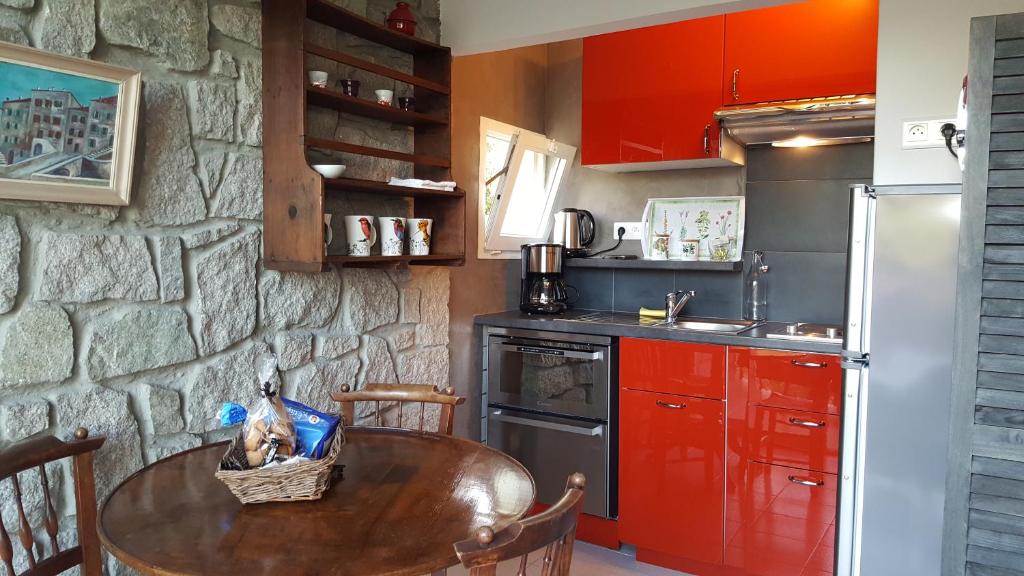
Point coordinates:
pixel 95 114
pixel 58 104
pixel 49 103
pixel 56 120
pixel 521 172
pixel 35 118
pixel 104 130
pixel 39 102
pixel 39 133
pixel 92 142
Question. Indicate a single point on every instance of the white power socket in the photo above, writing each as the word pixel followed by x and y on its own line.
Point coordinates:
pixel 924 133
pixel 633 230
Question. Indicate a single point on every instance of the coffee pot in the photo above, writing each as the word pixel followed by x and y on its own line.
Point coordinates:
pixel 543 290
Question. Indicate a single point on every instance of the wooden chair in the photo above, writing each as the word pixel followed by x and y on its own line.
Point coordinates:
pixel 553 529
pixel 402 394
pixel 35 453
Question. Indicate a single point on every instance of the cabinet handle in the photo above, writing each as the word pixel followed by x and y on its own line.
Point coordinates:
pixel 679 406
pixel 707 138
pixel 806 423
pixel 806 481
pixel 808 364
pixel 735 84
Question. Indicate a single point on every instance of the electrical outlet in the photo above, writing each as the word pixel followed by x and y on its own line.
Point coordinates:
pixel 924 133
pixel 633 230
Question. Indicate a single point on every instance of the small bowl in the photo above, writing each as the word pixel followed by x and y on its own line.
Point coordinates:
pixel 330 170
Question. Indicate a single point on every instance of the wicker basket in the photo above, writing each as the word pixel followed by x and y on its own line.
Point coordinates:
pixel 287 483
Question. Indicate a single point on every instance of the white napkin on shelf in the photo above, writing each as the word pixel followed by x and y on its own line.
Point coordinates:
pixel 417 183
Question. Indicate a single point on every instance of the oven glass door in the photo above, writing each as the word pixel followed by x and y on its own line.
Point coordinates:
pixel 548 376
pixel 552 448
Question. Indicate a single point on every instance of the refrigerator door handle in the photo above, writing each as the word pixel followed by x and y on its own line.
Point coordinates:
pixel 859 271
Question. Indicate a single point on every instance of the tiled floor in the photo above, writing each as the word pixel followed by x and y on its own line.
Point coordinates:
pixel 588 560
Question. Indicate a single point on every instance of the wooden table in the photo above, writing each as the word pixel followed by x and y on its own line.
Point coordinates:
pixel 404 499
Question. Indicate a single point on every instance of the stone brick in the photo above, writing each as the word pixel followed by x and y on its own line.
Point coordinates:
pixel 434 285
pixel 222 64
pixel 89 268
pixel 424 366
pixel 161 447
pixel 241 193
pixel 227 293
pixel 369 300
pixel 295 300
pixel 19 4
pixel 104 412
pixel 139 340
pixel 336 346
pixel 163 410
pixel 10 258
pixel 229 378
pixel 212 109
pixel 410 305
pixel 68 27
pixel 294 350
pixel 208 236
pixel 380 369
pixel 25 418
pixel 168 192
pixel 404 337
pixel 176 32
pixel 172 278
pixel 14 34
pixel 38 347
pixel 211 170
pixel 333 374
pixel 250 103
pixel 238 22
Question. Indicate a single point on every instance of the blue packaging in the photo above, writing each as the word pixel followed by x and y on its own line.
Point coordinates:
pixel 231 414
pixel 314 429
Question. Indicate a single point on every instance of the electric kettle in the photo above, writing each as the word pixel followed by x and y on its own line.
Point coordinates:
pixel 574 229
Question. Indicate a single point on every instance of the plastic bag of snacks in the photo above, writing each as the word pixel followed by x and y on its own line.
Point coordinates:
pixel 315 430
pixel 268 431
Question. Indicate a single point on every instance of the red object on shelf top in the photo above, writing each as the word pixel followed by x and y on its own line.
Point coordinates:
pixel 401 19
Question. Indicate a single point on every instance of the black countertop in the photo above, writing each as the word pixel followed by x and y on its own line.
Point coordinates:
pixel 630 325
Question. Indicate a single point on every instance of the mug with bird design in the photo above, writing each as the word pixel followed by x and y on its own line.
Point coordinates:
pixel 419 236
pixel 360 235
pixel 392 235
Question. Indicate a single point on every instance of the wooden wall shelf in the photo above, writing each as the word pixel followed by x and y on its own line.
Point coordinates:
pixel 294 194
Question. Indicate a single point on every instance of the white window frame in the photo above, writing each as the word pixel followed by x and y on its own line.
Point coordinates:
pixel 490 244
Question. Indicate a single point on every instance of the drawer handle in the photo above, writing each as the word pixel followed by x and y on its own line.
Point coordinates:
pixel 806 423
pixel 806 481
pixel 808 364
pixel 679 406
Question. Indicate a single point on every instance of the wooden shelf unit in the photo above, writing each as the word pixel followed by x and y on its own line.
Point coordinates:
pixel 294 194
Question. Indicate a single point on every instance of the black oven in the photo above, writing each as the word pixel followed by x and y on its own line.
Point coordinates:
pixel 550 398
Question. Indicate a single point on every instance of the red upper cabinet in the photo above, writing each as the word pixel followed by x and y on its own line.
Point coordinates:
pixel 671 474
pixel 801 50
pixel 649 94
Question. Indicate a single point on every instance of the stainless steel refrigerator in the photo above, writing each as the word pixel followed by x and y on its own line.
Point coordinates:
pixel 901 296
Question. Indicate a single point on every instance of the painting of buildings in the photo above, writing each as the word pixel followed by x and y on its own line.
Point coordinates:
pixel 56 126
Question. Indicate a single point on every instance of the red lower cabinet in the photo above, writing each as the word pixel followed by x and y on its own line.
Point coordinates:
pixel 671 474
pixel 780 521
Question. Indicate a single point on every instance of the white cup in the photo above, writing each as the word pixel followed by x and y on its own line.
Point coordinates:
pixel 392 235
pixel 419 235
pixel 384 97
pixel 318 78
pixel 360 235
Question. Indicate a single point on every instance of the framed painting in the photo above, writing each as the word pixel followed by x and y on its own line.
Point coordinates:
pixel 67 127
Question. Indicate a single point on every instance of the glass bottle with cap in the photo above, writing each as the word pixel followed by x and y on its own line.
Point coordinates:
pixel 755 302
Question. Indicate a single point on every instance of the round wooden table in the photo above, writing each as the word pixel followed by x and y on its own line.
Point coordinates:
pixel 403 500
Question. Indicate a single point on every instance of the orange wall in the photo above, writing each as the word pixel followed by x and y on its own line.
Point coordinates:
pixel 508 86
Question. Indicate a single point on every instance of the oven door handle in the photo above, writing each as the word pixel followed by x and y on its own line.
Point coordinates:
pixel 581 430
pixel 523 349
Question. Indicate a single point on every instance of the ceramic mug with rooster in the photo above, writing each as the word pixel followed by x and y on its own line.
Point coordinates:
pixel 392 235
pixel 360 234
pixel 419 236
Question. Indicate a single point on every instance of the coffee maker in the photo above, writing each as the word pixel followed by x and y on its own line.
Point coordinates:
pixel 543 290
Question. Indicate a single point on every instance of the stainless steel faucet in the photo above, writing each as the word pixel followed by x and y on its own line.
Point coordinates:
pixel 674 304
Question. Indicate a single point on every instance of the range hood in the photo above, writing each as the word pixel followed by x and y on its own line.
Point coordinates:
pixel 811 122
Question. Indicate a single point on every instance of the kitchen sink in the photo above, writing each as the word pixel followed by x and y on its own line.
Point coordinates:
pixel 710 325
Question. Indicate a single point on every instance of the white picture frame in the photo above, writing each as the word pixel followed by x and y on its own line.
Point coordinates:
pixel 728 212
pixel 52 161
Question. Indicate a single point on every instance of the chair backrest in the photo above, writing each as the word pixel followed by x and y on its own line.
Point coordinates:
pixel 554 530
pixel 402 394
pixel 36 453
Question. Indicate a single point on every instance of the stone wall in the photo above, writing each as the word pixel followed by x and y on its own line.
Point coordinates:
pixel 138 322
